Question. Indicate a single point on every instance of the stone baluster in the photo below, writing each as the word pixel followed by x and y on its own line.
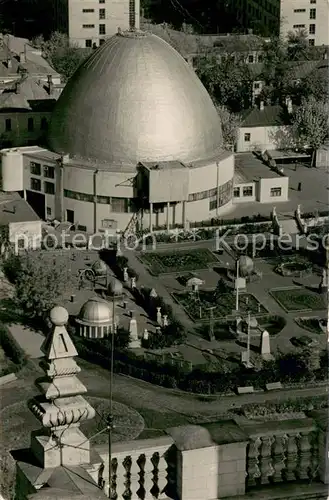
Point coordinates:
pixel 162 476
pixel 120 472
pixel 314 464
pixel 147 473
pixel 253 462
pixel 292 455
pixel 304 455
pixel 266 468
pixel 278 458
pixel 135 475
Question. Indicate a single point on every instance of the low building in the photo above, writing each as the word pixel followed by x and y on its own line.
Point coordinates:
pixel 21 224
pixel 18 57
pixel 322 156
pixel 264 128
pixel 311 16
pixel 26 105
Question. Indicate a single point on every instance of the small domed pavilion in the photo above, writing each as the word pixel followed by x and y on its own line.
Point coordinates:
pixel 95 320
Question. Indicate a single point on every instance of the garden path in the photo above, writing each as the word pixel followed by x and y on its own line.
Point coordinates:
pixel 29 340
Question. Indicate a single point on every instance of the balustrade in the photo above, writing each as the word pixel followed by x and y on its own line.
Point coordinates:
pixel 282 454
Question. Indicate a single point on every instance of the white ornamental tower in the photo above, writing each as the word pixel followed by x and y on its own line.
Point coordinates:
pixel 59 449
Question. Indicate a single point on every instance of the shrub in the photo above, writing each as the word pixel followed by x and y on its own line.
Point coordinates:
pixel 12 350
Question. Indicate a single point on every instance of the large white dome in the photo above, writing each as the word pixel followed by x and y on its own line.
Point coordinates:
pixel 135 99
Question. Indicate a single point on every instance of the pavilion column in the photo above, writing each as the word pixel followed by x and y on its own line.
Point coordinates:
pixel 184 215
pixel 151 217
pixel 168 214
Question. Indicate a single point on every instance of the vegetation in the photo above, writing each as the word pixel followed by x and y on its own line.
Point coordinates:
pixel 13 352
pixel 172 262
pixel 298 299
pixel 230 126
pixel 290 406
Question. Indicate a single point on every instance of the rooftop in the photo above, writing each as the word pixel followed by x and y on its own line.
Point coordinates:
pixel 248 168
pixel 11 49
pixel 13 208
pixel 269 116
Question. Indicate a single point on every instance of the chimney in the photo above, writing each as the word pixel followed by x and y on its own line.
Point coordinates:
pixel 22 58
pixel 289 105
pixel 262 105
pixel 50 84
pixel 9 63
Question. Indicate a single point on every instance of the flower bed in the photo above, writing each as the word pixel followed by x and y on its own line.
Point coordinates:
pixel 224 304
pixel 295 268
pixel 310 324
pixel 298 299
pixel 254 410
pixel 173 262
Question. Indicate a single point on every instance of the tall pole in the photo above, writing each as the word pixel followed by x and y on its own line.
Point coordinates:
pixel 248 341
pixel 237 287
pixel 110 415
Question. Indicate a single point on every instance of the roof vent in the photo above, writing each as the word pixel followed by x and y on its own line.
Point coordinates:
pixel 262 105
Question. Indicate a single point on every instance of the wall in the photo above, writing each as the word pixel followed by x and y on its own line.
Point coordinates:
pixel 29 232
pixel 261 138
pixel 20 135
pixel 322 157
pixel 289 18
pixel 12 172
pixel 264 189
pixel 116 15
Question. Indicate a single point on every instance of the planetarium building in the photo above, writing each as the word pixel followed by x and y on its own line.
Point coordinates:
pixel 134 137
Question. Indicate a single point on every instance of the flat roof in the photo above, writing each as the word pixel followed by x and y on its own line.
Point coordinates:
pixel 164 165
pixel 279 154
pixel 13 208
pixel 248 168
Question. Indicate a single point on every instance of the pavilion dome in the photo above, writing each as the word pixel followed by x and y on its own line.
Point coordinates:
pixel 95 312
pixel 135 99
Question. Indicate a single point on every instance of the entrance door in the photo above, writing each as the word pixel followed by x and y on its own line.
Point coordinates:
pixel 37 202
pixel 70 216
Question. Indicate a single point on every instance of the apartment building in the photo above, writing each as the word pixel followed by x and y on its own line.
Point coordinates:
pixel 89 22
pixel 309 15
pixel 262 16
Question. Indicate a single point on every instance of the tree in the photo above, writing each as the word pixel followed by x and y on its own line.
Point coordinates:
pixel 228 83
pixel 42 282
pixel 63 55
pixel 298 48
pixel 230 126
pixel 310 124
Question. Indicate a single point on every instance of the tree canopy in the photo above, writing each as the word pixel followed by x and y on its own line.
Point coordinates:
pixel 230 126
pixel 64 56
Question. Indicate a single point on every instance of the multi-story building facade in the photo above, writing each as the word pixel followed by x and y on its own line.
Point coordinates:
pixel 262 16
pixel 89 22
pixel 309 15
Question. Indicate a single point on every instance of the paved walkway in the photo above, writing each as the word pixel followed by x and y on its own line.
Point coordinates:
pixel 29 340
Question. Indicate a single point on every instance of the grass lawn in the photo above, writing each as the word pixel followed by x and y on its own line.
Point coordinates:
pixel 311 324
pixel 298 299
pixel 178 261
pixel 224 304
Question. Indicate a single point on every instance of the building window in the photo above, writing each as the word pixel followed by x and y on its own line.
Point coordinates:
pixel 297 11
pixel 35 168
pixel 298 26
pixel 82 228
pixel 78 196
pixel 311 42
pixel 236 192
pixel 8 125
pixel 132 17
pixel 247 191
pixel 102 30
pixel 256 85
pixel 277 191
pixel 101 41
pixel 247 137
pixel 101 13
pixel 119 205
pixel 312 13
pixel 312 29
pixel 30 124
pixel 101 1
pixel 49 172
pixel 48 211
pixel 88 44
pixel 88 26
pixel 104 200
pixel 260 58
pixel 49 188
pixel 44 123
pixel 250 59
pixel 313 1
pixel 86 11
pixel 109 224
pixel 35 184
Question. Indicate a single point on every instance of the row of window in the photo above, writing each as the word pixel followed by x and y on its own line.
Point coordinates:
pixel 101 28
pixel 89 43
pixel 30 124
pixel 224 195
pixel 119 205
pixel 312 12
pixel 311 28
pixel 48 187
pixel 247 191
pixel 48 172
pixel 102 12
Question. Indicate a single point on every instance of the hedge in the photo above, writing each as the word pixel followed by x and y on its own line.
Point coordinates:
pixel 12 350
pixel 200 381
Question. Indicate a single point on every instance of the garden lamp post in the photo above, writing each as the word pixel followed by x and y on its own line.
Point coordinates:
pixel 110 415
